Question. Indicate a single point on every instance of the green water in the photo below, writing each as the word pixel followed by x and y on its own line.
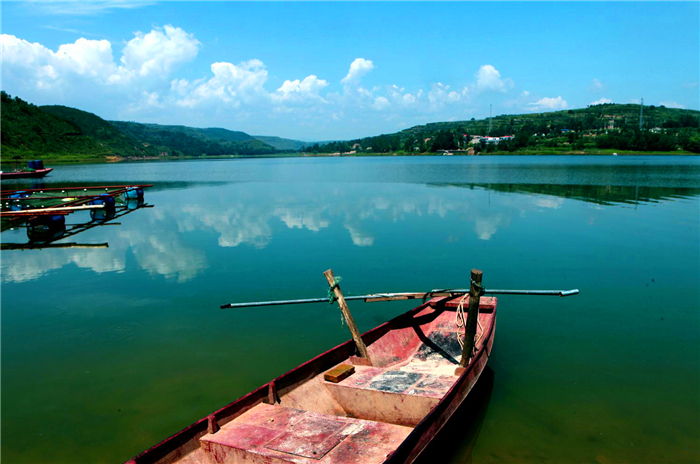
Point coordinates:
pixel 107 351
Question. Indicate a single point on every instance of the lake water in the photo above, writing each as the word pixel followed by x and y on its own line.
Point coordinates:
pixel 107 351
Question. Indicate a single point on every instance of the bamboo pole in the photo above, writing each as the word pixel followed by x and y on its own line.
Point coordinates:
pixel 472 317
pixel 375 297
pixel 59 210
pixel 361 347
pixel 31 246
pixel 97 187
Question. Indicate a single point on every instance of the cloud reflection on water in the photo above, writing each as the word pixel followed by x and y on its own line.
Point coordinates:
pixel 158 249
pixel 171 239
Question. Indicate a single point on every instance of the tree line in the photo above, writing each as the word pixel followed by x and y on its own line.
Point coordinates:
pixel 601 127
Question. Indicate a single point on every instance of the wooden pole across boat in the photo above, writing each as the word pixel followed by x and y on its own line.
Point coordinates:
pixel 472 317
pixel 377 297
pixel 335 288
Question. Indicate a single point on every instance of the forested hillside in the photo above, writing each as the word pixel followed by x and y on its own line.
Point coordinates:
pixel 61 132
pixel 29 132
pixel 282 144
pixel 106 135
pixel 191 141
pixel 600 127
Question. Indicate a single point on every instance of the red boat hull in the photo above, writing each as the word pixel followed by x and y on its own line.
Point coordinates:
pixel 185 446
pixel 24 174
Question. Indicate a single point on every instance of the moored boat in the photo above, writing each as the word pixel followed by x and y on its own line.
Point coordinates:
pixel 23 174
pixel 35 169
pixel 383 406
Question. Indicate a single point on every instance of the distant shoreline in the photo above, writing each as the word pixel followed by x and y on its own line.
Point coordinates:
pixel 116 159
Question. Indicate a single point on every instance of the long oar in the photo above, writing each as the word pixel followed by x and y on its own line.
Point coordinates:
pixel 375 297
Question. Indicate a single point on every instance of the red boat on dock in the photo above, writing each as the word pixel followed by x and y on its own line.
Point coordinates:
pixel 383 406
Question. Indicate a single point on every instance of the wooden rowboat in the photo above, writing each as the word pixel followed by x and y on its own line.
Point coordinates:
pixel 339 408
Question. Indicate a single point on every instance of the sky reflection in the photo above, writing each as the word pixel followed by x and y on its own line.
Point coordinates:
pixel 177 239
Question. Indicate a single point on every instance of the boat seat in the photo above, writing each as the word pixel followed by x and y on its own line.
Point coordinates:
pixel 404 392
pixel 274 434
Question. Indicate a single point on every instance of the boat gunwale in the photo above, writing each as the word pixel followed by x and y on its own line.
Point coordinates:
pixel 316 365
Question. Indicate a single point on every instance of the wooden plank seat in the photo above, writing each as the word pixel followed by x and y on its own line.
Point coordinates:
pixel 403 392
pixel 273 434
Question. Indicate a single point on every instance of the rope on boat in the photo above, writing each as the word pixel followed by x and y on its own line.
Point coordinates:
pixel 461 321
pixel 480 288
pixel 331 290
pixel 332 298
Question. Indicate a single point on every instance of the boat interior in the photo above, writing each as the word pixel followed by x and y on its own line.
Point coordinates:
pixel 361 416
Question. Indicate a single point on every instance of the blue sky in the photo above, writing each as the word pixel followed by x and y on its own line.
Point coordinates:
pixel 320 71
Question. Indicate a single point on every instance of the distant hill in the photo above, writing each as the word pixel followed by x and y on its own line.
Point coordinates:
pixel 283 144
pixel 30 132
pixel 592 117
pixel 599 127
pixel 61 132
pixel 104 133
pixel 211 133
pixel 192 141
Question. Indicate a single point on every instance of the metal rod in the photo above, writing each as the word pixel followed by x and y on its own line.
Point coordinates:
pixel 374 297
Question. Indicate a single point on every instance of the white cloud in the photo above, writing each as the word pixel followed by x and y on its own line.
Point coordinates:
pixel 358 68
pixel 596 85
pixel 155 54
pixel 690 85
pixel 489 79
pixel 299 91
pixel 601 101
pixel 43 68
pixel 525 93
pixel 159 51
pixel 440 95
pixel 84 8
pixel 72 31
pixel 549 103
pixel 671 104
pixel 381 103
pixel 231 84
pixel 140 81
pixel 149 101
pixel 396 95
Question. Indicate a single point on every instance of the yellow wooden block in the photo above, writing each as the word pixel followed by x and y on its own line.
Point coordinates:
pixel 339 373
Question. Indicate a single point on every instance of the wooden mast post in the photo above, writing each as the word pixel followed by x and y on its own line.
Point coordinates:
pixel 475 291
pixel 361 347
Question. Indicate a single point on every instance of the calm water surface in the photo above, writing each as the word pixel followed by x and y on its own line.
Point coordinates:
pixel 107 351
